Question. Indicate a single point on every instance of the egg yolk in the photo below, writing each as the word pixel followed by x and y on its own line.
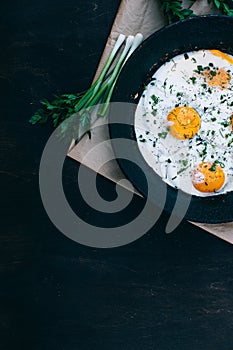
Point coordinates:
pixel 222 55
pixel 184 122
pixel 208 177
pixel 218 77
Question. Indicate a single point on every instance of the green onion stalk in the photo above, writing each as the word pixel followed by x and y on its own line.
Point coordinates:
pixel 99 93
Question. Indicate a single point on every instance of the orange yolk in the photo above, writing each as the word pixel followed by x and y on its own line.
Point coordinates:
pixel 184 122
pixel 208 177
pixel 219 77
pixel 222 55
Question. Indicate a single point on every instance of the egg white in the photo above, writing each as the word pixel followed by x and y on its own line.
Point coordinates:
pixel 178 83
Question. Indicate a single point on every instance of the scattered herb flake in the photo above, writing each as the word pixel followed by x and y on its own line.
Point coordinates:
pixel 163 134
pixel 193 79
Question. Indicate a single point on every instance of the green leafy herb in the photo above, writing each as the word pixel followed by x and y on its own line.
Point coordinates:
pixel 223 6
pixel 174 10
pixel 61 108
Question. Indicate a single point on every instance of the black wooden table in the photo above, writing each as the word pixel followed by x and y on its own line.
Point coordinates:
pixel 162 292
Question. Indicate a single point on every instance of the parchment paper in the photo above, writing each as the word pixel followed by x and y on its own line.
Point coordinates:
pixel 146 17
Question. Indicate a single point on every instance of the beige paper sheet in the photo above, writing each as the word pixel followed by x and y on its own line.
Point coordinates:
pixel 133 16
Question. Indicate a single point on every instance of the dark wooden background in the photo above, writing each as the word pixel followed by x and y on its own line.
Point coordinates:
pixel 162 292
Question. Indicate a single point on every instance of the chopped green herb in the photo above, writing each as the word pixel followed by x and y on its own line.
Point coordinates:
pixel 226 123
pixel 185 162
pixel 163 134
pixel 193 79
pixel 155 99
pixel 179 94
pixel 154 112
pixel 182 170
pixel 154 143
pixel 213 167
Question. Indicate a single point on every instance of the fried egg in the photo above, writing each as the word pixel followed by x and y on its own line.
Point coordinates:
pixel 208 177
pixel 184 122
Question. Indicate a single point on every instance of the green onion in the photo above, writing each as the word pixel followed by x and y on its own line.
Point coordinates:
pixel 100 92
pixel 131 44
pixel 90 93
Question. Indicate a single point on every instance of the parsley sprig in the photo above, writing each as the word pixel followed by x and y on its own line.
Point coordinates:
pixel 174 10
pixel 57 110
pixel 223 6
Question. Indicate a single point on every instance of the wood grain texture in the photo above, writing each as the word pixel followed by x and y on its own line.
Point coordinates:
pixel 161 292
